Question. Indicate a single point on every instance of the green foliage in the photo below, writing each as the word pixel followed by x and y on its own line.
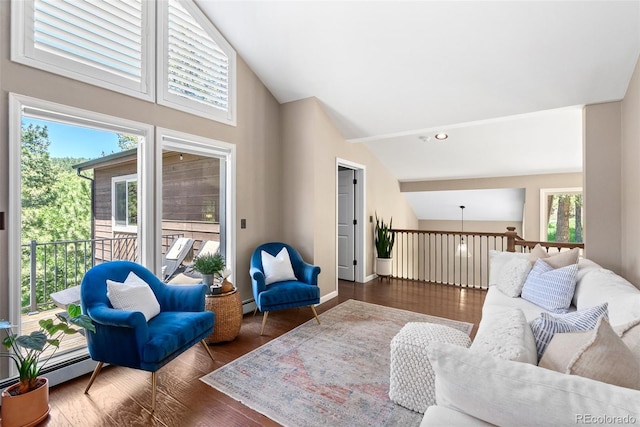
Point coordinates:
pixel 127 142
pixel 27 350
pixel 384 238
pixel 56 206
pixel 209 264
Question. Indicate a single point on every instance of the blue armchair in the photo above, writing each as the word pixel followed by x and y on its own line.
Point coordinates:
pixel 125 338
pixel 291 293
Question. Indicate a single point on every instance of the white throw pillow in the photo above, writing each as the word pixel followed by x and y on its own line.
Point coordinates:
pixel 512 276
pixel 505 333
pixel 549 288
pixel 133 295
pixel 497 260
pixel 278 268
pixel 507 393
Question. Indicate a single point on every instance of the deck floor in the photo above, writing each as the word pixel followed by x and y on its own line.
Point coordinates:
pixel 30 323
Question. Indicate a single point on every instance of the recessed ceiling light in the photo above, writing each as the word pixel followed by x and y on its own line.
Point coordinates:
pixel 441 136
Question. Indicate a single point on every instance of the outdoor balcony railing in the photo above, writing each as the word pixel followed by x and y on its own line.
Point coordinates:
pixel 53 266
pixel 433 256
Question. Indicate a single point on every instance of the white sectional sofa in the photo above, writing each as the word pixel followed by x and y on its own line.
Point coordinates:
pixel 497 381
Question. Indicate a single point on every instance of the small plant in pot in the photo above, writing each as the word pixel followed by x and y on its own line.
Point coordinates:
pixel 384 241
pixel 209 266
pixel 28 401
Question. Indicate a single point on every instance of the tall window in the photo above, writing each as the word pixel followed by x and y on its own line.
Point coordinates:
pixel 114 44
pixel 561 215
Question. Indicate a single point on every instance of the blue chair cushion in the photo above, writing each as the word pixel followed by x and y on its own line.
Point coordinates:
pixel 172 332
pixel 288 294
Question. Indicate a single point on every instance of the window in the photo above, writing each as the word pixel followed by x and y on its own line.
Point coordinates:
pixel 197 186
pixel 124 190
pixel 196 65
pixel 62 161
pixel 112 44
pixel 101 43
pixel 561 216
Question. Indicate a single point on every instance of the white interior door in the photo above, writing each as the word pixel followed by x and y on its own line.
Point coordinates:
pixel 346 226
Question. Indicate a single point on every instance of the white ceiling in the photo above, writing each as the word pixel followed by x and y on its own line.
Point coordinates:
pixel 500 77
pixel 504 204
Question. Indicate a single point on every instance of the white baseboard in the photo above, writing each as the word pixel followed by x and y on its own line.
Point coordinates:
pixel 329 296
pixel 370 278
pixel 248 306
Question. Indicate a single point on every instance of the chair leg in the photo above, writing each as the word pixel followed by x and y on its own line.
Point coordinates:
pixel 206 347
pixel 264 322
pixel 255 310
pixel 96 371
pixel 315 314
pixel 154 382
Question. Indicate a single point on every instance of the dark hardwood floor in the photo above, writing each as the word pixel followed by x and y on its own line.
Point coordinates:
pixel 121 396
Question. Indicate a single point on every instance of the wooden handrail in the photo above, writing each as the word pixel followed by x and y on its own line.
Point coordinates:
pixel 514 240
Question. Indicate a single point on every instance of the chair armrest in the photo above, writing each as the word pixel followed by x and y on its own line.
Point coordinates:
pixel 309 273
pixel 183 298
pixel 257 281
pixel 122 318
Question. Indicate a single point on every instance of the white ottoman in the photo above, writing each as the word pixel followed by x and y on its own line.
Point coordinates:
pixel 412 378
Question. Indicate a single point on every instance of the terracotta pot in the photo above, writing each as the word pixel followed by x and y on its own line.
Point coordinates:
pixel 384 266
pixel 25 410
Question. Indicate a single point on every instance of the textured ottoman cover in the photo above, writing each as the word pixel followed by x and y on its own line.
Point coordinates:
pixel 412 378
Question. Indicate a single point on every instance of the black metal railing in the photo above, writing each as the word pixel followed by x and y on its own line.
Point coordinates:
pixel 53 266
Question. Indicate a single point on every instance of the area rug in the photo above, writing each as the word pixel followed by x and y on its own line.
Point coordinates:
pixel 333 374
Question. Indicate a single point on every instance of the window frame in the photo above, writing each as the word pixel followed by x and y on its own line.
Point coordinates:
pixel 188 143
pixel 23 51
pixel 127 228
pixel 544 193
pixel 21 104
pixel 181 103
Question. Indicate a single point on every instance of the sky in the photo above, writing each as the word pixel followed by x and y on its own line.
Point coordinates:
pixel 76 141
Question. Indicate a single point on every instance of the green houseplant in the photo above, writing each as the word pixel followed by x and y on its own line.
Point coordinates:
pixel 209 266
pixel 22 403
pixel 384 241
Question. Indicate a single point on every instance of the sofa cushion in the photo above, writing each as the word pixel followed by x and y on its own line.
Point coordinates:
pixel 547 325
pixel 590 354
pixel 510 393
pixel 630 334
pixel 497 260
pixel 512 276
pixel 557 260
pixel 551 289
pixel 505 333
pixel 496 298
pixel 441 416
pixel 601 285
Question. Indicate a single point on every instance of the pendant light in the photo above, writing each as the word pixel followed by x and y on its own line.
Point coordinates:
pixel 462 250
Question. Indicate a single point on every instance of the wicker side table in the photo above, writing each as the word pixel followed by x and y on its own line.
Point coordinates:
pixel 228 310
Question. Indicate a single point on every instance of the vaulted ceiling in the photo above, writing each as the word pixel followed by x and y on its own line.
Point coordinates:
pixel 505 79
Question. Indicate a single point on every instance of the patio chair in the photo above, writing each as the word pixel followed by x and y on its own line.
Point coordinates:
pixel 298 291
pixel 124 337
pixel 175 255
pixel 186 274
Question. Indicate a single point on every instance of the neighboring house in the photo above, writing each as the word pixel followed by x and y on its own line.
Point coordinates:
pixel 190 201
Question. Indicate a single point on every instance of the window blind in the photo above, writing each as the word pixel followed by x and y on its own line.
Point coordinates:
pixel 198 69
pixel 106 35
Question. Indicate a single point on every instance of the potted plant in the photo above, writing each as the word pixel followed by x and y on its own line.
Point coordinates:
pixel 27 402
pixel 209 266
pixel 384 241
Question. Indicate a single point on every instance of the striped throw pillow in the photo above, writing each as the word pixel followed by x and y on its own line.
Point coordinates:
pixel 547 325
pixel 549 288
